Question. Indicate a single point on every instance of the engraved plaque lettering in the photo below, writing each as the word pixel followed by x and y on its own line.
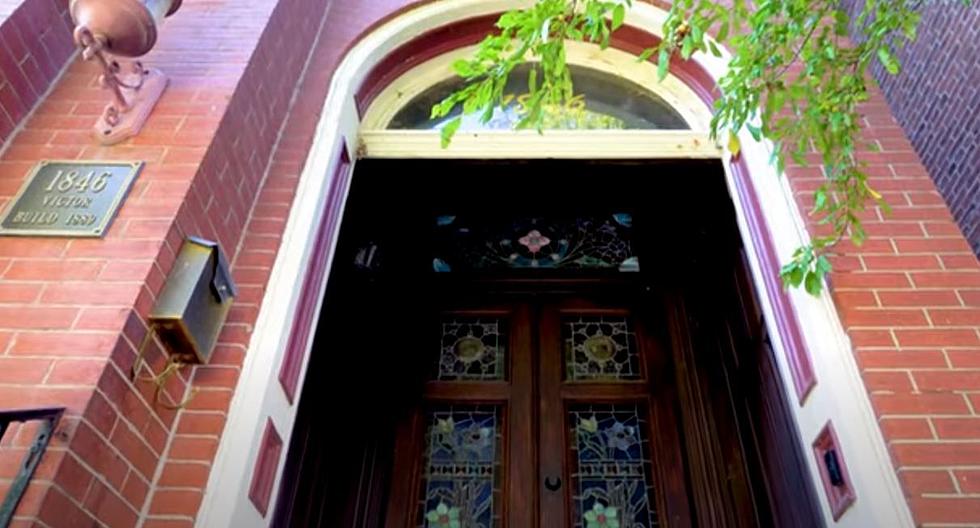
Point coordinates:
pixel 69 198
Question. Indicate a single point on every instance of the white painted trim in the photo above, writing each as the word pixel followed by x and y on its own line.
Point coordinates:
pixel 840 393
pixel 528 144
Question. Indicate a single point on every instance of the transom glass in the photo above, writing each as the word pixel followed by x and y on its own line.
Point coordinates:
pixel 604 102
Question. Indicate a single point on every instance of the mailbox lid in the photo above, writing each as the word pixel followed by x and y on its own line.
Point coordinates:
pixel 189 273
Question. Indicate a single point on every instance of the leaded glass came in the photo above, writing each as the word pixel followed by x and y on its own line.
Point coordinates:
pixel 472 349
pixel 600 348
pixel 461 476
pixel 611 473
pixel 592 242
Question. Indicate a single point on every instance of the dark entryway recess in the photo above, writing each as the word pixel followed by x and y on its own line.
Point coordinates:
pixel 724 448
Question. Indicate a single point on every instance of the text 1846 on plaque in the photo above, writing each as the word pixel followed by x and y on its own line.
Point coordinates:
pixel 69 198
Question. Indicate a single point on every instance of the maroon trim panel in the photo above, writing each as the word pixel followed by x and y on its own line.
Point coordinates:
pixel 264 473
pixel 309 300
pixel 786 322
pixel 833 471
pixel 632 40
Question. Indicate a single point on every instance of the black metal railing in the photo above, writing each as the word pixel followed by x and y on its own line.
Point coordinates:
pixel 47 419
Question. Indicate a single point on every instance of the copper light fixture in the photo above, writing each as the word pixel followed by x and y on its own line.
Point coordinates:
pixel 112 31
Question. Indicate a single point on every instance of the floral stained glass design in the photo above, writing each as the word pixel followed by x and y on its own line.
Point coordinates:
pixel 594 242
pixel 461 480
pixel 612 469
pixel 600 348
pixel 472 349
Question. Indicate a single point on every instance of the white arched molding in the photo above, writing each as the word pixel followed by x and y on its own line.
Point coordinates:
pixel 839 395
pixel 377 141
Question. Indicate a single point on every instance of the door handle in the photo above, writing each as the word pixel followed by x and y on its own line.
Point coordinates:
pixel 552 483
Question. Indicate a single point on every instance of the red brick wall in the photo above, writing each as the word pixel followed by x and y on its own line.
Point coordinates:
pixel 35 44
pixel 910 301
pixel 71 311
pixel 936 101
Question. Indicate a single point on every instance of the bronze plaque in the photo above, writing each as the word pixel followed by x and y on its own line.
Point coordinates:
pixel 69 198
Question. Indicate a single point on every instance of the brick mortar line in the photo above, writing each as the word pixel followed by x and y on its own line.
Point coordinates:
pixel 951 467
pixel 934 495
pixel 37 104
pixel 931 441
pixel 906 416
pixel 96 475
pixel 969 404
pixel 131 386
pixel 916 348
pixel 938 370
pixel 954 480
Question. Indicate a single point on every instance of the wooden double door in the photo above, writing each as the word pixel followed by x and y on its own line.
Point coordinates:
pixel 555 413
pixel 447 390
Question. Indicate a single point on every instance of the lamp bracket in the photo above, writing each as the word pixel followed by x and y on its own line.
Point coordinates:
pixel 135 90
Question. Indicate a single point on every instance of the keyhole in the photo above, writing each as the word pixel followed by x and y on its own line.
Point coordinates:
pixel 552 483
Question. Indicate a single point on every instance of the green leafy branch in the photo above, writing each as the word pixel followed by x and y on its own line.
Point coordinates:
pixel 537 33
pixel 794 77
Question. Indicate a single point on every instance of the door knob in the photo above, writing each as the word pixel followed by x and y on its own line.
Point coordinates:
pixel 552 483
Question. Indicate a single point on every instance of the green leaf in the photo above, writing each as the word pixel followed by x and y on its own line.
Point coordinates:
pixel 687 47
pixel 663 64
pixel 714 49
pixel 645 56
pixel 722 33
pixel 509 20
pixel 820 199
pixel 463 68
pixel 823 266
pixel 449 130
pixel 888 61
pixel 813 283
pixel 734 145
pixel 618 16
pixel 792 275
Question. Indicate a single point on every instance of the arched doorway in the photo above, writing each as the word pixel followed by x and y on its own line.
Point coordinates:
pixel 324 198
pixel 558 358
pixel 541 343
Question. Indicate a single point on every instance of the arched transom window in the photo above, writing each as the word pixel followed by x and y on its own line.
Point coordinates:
pixel 604 102
pixel 615 94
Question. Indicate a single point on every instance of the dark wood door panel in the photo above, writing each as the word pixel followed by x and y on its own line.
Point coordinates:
pixel 603 417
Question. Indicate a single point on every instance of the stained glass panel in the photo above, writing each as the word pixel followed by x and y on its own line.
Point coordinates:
pixel 461 479
pixel 593 242
pixel 612 469
pixel 472 348
pixel 600 348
